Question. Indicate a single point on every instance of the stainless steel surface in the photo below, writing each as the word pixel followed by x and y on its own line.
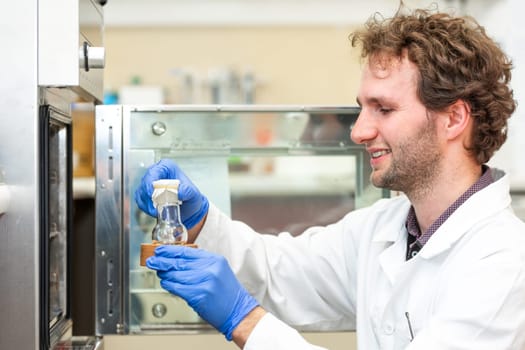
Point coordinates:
pixel 110 302
pixel 18 158
pixel 61 41
pixel 80 343
pixel 92 57
pixel 211 143
pixel 242 108
pixel 25 289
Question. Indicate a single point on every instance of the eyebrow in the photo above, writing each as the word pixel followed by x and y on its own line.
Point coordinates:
pixel 376 100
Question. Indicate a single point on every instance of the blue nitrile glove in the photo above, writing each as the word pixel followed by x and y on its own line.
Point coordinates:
pixel 194 204
pixel 206 282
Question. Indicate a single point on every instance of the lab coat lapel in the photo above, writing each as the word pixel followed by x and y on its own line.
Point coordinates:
pixel 392 259
pixel 392 239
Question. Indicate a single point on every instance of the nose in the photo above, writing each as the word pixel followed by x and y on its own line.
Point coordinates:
pixel 363 130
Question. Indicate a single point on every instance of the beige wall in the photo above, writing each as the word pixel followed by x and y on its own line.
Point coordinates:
pixel 294 65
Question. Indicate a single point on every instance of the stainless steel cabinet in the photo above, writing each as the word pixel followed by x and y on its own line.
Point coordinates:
pixel 277 168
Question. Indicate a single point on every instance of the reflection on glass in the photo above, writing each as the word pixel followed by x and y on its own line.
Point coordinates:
pixel 57 222
pixel 298 168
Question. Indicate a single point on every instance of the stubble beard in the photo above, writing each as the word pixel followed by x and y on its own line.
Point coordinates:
pixel 414 165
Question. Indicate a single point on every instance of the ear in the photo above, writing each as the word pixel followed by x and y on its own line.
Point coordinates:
pixel 458 120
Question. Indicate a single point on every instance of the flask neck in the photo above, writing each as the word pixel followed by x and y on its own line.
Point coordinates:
pixel 168 212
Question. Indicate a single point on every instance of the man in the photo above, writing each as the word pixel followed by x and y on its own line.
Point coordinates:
pixel 441 266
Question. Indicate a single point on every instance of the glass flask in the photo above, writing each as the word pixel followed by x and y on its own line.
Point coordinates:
pixel 169 228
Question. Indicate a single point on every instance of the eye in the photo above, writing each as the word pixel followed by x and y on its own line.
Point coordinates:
pixel 385 110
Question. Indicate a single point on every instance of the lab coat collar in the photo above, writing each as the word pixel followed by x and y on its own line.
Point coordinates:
pixel 391 233
pixel 482 204
pixel 490 200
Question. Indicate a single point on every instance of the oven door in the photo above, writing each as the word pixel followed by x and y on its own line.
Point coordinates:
pixel 55 225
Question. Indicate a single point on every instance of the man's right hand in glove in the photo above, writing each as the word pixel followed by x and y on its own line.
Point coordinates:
pixel 194 206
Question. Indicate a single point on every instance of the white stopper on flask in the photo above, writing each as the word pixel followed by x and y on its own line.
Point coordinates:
pixel 165 191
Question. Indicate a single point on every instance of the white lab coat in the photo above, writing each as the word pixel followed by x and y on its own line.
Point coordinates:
pixel 464 290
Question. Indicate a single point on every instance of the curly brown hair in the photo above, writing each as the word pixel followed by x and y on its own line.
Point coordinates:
pixel 456 61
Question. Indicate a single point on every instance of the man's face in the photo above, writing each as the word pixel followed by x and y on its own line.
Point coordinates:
pixel 397 130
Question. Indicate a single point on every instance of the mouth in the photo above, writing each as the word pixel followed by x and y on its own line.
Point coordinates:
pixel 377 154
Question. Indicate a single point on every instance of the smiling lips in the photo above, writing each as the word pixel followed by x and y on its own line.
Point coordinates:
pixel 377 154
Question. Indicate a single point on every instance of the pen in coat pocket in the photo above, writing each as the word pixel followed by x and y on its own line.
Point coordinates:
pixel 409 326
